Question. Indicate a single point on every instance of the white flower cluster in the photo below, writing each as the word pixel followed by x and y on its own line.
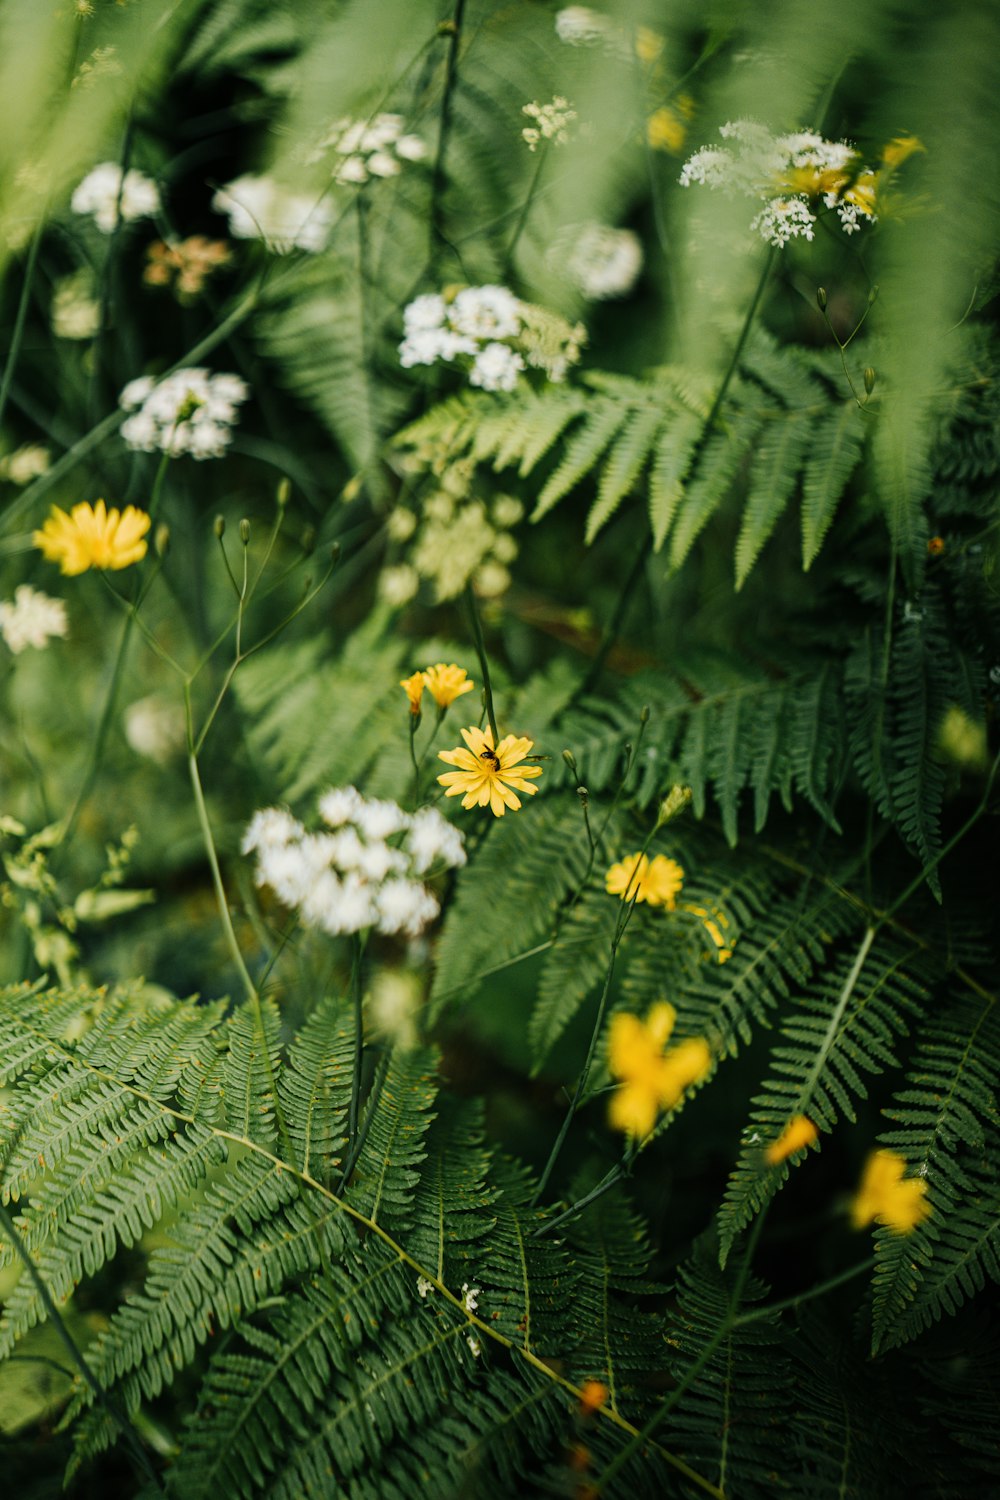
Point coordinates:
pixel 31 619
pixel 189 411
pixel 579 26
pixel 76 312
pixel 552 122
pixel 371 148
pixel 602 262
pixel 349 877
pixel 259 208
pixel 105 194
pixel 788 174
pixel 491 328
pixel 25 464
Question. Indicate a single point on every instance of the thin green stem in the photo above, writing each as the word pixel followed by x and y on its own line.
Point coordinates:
pixel 101 732
pixel 484 666
pixel 20 317
pixel 213 861
pixel 453 30
pixel 522 219
pixel 820 1290
pixel 357 957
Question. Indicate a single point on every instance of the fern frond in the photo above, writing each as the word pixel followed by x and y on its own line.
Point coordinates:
pixel 623 465
pixel 835 451
pixel 675 450
pixel 846 1026
pixel 710 481
pixel 314 1087
pixel 948 1129
pixel 395 1124
pixel 573 967
pixel 774 474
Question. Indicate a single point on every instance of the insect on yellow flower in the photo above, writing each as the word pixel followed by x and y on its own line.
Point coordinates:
pixel 650 1080
pixel 797 1134
pixel 92 536
pixel 884 1196
pixel 489 776
pixel 414 689
pixel 446 683
pixel 657 880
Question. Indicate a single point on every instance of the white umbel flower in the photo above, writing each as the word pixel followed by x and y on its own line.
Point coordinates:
pixel 259 208
pixel 32 619
pixel 105 195
pixel 190 411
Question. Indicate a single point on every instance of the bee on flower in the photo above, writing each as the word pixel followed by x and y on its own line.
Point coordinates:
pixel 489 775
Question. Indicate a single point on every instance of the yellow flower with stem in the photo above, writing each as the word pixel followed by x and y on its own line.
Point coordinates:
pixel 92 536
pixel 650 1080
pixel 489 775
pixel 414 689
pixel 446 683
pixel 886 1197
pixel 637 877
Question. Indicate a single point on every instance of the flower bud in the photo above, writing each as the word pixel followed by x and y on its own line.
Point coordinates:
pixel 245 532
pixel 161 540
pixel 872 295
pixel 570 760
pixel 869 379
pixel 219 527
pixel 673 804
pixel 284 493
pixel 584 795
pixel 821 298
pixel 308 541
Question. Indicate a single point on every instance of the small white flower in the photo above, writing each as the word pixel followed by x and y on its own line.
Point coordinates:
pixel 154 727
pixel 552 122
pixel 104 194
pixel 32 619
pixel 424 1286
pixel 379 820
pixel 784 219
pixel 579 26
pixel 496 368
pixel 470 1296
pixel 189 411
pixel 507 511
pixel 340 805
pixel 601 261
pixel 491 580
pixel 271 828
pixel 475 1346
pixel 411 148
pixel 486 312
pixel 424 312
pixel 261 208
pixel 431 838
pixel 397 585
pixel 381 164
pixel 352 169
pixel 401 525
pixel 25 463
pixel 76 312
pixel 405 906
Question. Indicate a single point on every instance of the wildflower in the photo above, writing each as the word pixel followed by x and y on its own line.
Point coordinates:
pixel 370 148
pixel 25 463
pixel 31 619
pixel 651 1080
pixel 638 877
pixel 470 1296
pixel 935 546
pixel 76 312
pixel 413 687
pixel 797 1134
pixel 424 1286
pixel 666 128
pixel 593 1394
pixel 496 368
pixel 899 149
pixel 491 580
pixel 189 411
pixel 579 26
pixel 397 585
pixel 191 261
pixel 475 1347
pixel 154 727
pixel 487 775
pixel 92 536
pixel 446 683
pixel 261 208
pixel 493 330
pixel 885 1197
pixel 962 740
pixel 105 194
pixel 602 262
pixel 349 879
pixel 552 122
pixel 431 837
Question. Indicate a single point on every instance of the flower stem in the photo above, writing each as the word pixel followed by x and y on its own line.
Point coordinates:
pixel 525 211
pixel 20 317
pixel 484 666
pixel 359 1045
pixel 453 30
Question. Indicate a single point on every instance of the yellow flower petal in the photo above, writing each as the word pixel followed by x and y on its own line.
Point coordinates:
pixel 485 773
pixel 93 537
pixel 886 1197
pixel 445 683
pixel 797 1134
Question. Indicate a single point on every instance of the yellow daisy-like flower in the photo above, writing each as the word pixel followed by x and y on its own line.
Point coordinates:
pixel 797 1134
pixel 885 1196
pixel 487 775
pixel 414 688
pixel 446 683
pixel 657 880
pixel 92 536
pixel 651 1080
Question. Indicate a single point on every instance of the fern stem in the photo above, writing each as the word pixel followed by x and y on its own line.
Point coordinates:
pixel 847 990
pixel 484 666
pixel 120 1420
pixel 359 1045
pixel 820 1290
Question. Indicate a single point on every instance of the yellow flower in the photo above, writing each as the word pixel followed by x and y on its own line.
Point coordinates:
pixel 666 129
pixel 651 1080
pixel 656 880
pixel 414 687
pixel 797 1134
pixel 445 684
pixel 885 1196
pixel 93 537
pixel 900 148
pixel 486 775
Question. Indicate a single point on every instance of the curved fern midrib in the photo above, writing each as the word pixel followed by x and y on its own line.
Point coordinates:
pixel 480 1324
